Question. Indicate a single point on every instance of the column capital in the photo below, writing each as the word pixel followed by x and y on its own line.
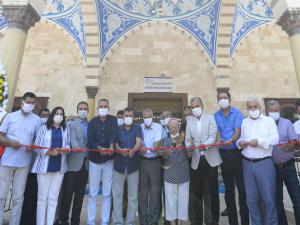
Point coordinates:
pixel 21 16
pixel 290 21
pixel 91 91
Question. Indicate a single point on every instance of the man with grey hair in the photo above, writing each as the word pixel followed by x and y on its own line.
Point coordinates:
pixel 150 172
pixel 201 130
pixel 102 135
pixel 283 157
pixel 258 136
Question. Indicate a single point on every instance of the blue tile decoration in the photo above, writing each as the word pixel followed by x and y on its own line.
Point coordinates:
pixel 66 14
pixel 249 15
pixel 199 18
pixel 113 25
pixel 148 8
pixel 203 26
pixel 70 20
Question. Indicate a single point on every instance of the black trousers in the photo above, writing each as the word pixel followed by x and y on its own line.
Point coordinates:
pixel 207 173
pixel 74 184
pixel 232 172
pixel 30 201
pixel 149 191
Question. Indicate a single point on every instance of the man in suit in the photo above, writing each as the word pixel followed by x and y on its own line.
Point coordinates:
pixel 76 178
pixel 201 130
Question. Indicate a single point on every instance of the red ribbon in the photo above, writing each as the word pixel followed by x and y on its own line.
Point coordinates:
pixel 217 144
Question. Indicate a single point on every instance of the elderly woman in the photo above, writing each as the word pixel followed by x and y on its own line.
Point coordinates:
pixel 176 176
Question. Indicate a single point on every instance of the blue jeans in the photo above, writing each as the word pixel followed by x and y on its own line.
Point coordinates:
pixel 259 180
pixel 286 173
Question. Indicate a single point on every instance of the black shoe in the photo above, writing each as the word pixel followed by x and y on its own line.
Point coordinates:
pixel 224 213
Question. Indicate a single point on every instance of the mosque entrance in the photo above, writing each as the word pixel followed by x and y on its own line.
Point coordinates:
pixel 158 102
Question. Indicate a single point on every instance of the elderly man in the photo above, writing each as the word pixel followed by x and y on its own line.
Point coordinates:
pixel 283 157
pixel 126 167
pixel 258 136
pixel 229 120
pixel 201 130
pixel 150 172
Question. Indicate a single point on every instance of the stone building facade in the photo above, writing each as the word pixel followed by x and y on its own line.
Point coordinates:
pixel 204 46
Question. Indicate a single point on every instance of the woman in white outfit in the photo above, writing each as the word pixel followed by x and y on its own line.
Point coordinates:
pixel 50 165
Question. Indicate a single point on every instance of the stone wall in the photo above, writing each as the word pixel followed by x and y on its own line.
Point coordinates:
pixel 52 67
pixel 263 67
pixel 153 50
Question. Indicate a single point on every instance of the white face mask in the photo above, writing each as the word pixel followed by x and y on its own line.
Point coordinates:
pixel 274 115
pixel 103 111
pixel 197 111
pixel 27 108
pixel 254 114
pixel 58 119
pixel 128 121
pixel 167 120
pixel 44 120
pixel 120 122
pixel 148 122
pixel 82 114
pixel 174 135
pixel 224 103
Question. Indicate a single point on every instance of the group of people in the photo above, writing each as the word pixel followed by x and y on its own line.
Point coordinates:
pixel 166 168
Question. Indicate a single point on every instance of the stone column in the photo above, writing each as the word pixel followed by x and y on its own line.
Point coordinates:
pixel 20 18
pixel 91 93
pixel 290 22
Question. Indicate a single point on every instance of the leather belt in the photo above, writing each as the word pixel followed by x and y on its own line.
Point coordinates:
pixel 154 158
pixel 257 160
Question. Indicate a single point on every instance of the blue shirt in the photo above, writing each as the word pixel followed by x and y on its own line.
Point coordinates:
pixel 228 124
pixel 101 133
pixel 286 133
pixel 22 128
pixel 56 142
pixel 127 140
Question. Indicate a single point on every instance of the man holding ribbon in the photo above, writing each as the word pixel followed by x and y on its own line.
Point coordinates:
pixel 126 167
pixel 283 157
pixel 18 128
pixel 102 136
pixel 258 136
pixel 201 131
pixel 229 120
pixel 150 172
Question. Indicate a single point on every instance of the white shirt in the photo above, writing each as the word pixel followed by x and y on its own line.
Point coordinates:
pixel 297 128
pixel 151 135
pixel 263 129
pixel 23 129
pixel 199 127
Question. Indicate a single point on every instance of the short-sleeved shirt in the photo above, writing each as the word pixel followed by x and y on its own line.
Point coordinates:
pixel 54 163
pixel 228 124
pixel 286 133
pixel 176 166
pixel 22 128
pixel 127 140
pixel 151 135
